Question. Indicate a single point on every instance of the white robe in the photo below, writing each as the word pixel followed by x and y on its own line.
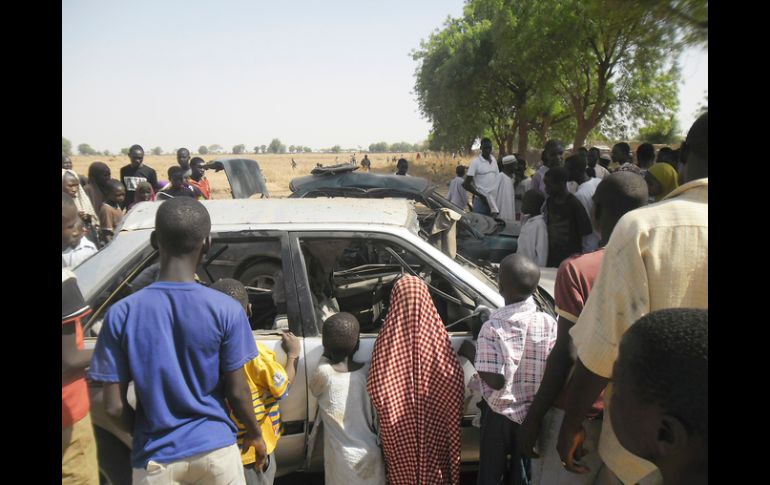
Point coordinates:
pixel 533 240
pixel 501 198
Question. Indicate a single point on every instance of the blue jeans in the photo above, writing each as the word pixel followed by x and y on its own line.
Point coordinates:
pixel 480 206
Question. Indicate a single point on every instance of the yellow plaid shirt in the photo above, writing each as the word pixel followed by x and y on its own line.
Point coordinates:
pixel 656 258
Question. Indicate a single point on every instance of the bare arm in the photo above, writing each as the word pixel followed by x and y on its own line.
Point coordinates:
pixel 557 367
pixel 239 397
pixel 73 360
pixel 495 381
pixel 470 186
pixel 582 390
pixel 117 406
pixel 292 347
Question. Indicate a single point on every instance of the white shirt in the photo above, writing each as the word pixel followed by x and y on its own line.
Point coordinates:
pixel 585 194
pixel 74 256
pixel 457 194
pixel 600 171
pixel 503 201
pixel 533 240
pixel 484 174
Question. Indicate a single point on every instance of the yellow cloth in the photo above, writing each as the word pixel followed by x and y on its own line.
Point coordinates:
pixel 529 171
pixel 667 176
pixel 268 384
pixel 656 258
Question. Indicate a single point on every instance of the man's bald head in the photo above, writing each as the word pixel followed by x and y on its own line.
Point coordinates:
pixel 518 278
pixel 616 195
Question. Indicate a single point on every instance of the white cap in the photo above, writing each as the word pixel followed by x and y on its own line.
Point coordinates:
pixel 509 159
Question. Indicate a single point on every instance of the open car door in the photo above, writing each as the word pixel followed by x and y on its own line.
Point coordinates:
pixel 244 175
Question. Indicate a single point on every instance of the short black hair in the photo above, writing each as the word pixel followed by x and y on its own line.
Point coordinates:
pixel 402 160
pixel 485 140
pixel 666 154
pixel 645 154
pixel 96 169
pixel 181 225
pixel 521 273
pixel 196 160
pixel 553 143
pixel 180 150
pixel 532 198
pixel 460 170
pixel 234 288
pixel 114 185
pixel 135 147
pixel 575 163
pixel 664 359
pixel 582 150
pixel 340 336
pixel 623 147
pixel 698 138
pixel 596 149
pixel 621 192
pixel 558 175
pixel 174 169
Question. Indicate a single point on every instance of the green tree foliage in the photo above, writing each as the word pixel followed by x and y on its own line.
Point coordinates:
pixel 292 148
pixel 157 151
pixel 335 149
pixel 124 151
pixel 379 147
pixel 215 148
pixel 662 131
pixel 85 149
pixel 276 146
pixel 107 153
pixel 401 147
pixel 549 68
pixel 202 150
pixel 238 149
pixel 66 147
pixel 307 149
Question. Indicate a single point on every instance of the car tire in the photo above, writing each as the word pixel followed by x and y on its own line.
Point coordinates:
pixel 260 274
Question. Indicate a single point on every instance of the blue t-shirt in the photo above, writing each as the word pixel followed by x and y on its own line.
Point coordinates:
pixel 174 340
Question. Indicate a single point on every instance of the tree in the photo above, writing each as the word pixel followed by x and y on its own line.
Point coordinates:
pixel 238 149
pixel 66 147
pixel 202 150
pixel 292 148
pixel 276 146
pixel 124 151
pixel 85 149
pixel 378 147
pixel 662 131
pixel 157 151
pixel 263 148
pixel 215 148
pixel 307 150
pixel 107 153
pixel 335 149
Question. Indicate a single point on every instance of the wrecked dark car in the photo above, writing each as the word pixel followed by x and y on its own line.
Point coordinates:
pixel 479 237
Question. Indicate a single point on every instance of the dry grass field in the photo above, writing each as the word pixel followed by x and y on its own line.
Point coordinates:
pixel 277 168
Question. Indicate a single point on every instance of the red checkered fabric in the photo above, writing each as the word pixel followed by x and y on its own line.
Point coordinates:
pixel 416 385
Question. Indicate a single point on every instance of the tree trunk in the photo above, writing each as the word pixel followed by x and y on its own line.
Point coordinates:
pixel 580 134
pixel 523 136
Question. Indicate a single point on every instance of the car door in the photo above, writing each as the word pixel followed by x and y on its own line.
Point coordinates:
pixel 456 300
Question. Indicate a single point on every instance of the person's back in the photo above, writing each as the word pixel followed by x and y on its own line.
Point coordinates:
pixel 457 194
pixel 183 345
pixel 566 219
pixel 351 452
pixel 533 236
pixel 657 258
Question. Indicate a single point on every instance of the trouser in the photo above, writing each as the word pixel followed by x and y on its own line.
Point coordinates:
pixel 263 477
pixel 222 466
pixel 79 465
pixel 499 461
pixel 480 206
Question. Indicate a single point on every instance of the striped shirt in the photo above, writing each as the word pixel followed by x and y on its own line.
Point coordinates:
pixel 268 384
pixel 515 342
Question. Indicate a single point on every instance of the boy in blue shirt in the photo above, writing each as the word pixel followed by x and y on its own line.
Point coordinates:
pixel 183 345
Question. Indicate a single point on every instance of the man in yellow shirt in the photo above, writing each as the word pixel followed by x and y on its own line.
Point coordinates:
pixel 657 258
pixel 269 383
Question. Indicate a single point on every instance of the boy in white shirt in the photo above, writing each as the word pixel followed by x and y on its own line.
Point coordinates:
pixel 533 238
pixel 81 249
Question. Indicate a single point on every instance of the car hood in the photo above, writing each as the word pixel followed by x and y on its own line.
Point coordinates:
pixel 308 183
pixel 245 177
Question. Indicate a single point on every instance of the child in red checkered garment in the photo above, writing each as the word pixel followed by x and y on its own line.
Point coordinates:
pixel 513 346
pixel 351 451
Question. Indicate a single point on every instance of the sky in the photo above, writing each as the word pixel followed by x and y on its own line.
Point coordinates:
pixel 188 73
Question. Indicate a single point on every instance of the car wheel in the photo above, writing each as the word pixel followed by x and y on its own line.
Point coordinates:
pixel 260 275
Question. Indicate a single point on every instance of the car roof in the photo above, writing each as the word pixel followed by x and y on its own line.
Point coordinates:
pixel 226 212
pixel 359 179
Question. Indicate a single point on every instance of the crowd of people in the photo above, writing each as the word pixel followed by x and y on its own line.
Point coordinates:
pixel 631 294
